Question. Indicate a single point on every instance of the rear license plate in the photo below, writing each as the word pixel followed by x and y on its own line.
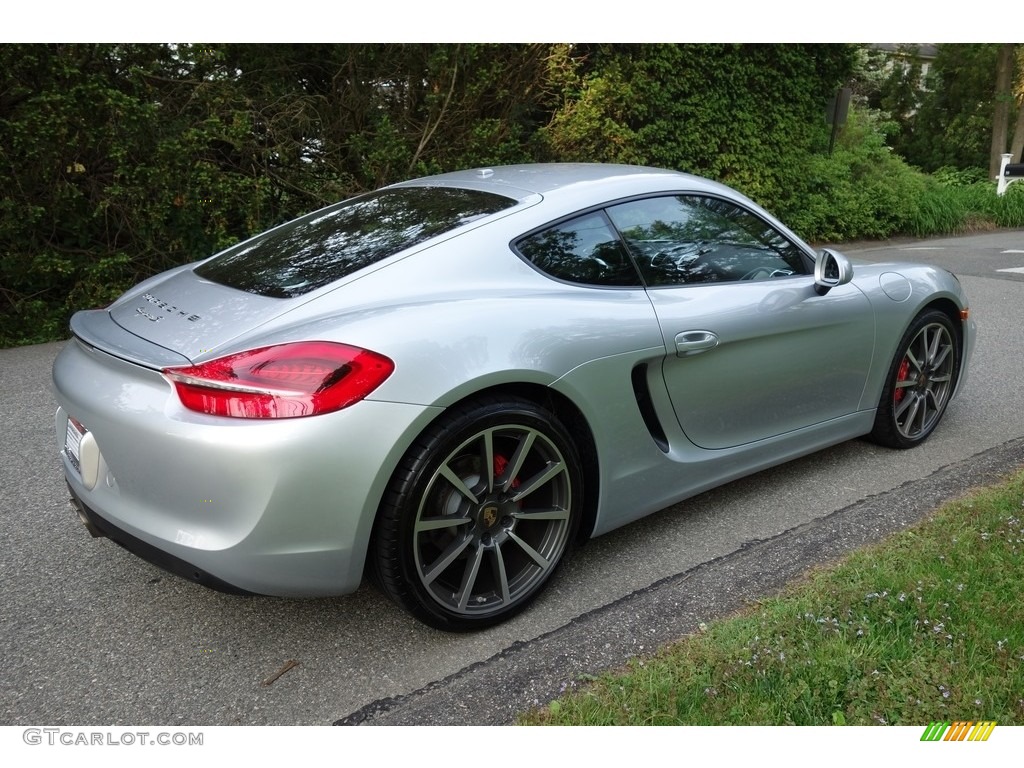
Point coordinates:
pixel 73 443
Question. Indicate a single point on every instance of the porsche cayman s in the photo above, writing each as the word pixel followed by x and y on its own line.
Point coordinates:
pixel 449 382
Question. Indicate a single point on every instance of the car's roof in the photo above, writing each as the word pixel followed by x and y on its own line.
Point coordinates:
pixel 522 181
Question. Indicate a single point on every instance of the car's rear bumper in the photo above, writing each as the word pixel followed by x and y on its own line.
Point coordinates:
pixel 280 507
pixel 98 526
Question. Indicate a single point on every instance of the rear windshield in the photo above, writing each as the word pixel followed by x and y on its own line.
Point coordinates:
pixel 327 245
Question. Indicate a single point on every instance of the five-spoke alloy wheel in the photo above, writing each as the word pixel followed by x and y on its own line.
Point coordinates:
pixel 479 515
pixel 920 382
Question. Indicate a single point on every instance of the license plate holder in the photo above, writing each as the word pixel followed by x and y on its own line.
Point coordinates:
pixel 73 443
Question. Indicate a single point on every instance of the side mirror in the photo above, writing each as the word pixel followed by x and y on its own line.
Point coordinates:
pixel 831 270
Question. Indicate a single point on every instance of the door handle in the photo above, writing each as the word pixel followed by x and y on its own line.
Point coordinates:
pixel 694 342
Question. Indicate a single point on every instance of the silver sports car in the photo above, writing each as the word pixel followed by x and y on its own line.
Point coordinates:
pixel 449 382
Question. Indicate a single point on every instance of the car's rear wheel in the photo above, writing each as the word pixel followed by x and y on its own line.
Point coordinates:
pixel 479 515
pixel 920 382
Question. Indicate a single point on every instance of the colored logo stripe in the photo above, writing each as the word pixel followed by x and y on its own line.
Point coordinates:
pixel 934 731
pixel 982 731
pixel 961 730
pixel 958 731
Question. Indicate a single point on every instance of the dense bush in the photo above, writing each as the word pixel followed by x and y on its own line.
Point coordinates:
pixel 111 174
pixel 118 161
pixel 861 190
pixel 746 115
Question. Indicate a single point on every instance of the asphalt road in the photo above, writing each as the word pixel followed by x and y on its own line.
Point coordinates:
pixel 94 636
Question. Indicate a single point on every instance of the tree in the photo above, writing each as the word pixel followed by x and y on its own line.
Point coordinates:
pixel 953 125
pixel 1017 143
pixel 1001 109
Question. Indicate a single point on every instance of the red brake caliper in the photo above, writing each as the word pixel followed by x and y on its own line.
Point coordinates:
pixel 901 375
pixel 500 463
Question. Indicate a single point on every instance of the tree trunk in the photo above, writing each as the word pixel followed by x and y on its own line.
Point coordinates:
pixel 1017 145
pixel 1001 113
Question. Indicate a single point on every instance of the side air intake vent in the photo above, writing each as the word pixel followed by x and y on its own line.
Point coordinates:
pixel 643 401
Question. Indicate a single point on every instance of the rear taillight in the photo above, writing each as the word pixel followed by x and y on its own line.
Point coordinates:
pixel 281 382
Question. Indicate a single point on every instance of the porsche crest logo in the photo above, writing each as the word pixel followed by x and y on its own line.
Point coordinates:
pixel 489 515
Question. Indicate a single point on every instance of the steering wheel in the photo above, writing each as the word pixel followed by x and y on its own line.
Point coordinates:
pixel 754 274
pixel 758 273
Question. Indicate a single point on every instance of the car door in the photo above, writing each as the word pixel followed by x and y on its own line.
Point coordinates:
pixel 753 350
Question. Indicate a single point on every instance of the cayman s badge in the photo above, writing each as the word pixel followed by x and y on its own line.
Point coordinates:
pixel 167 307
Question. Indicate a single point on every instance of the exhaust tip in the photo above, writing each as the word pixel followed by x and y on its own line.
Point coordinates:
pixel 95 532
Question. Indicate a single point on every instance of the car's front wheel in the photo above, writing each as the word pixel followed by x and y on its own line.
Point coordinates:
pixel 920 382
pixel 479 515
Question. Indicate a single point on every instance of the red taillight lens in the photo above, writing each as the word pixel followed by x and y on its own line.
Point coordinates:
pixel 281 382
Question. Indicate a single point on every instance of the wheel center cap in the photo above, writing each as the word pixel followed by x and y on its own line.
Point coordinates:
pixel 489 514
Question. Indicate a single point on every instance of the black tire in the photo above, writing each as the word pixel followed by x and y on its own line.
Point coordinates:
pixel 480 513
pixel 920 382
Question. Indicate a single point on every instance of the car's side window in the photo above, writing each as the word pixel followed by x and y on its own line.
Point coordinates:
pixel 582 250
pixel 683 239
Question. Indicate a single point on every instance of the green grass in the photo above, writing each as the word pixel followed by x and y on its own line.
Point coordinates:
pixel 928 625
pixel 944 209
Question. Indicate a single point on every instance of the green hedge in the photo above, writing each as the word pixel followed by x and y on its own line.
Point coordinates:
pixel 118 161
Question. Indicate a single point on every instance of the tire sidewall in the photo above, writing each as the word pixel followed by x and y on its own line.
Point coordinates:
pixel 886 430
pixel 412 480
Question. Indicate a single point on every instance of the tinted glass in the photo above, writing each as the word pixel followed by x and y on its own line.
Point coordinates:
pixel 322 247
pixel 689 239
pixel 583 250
